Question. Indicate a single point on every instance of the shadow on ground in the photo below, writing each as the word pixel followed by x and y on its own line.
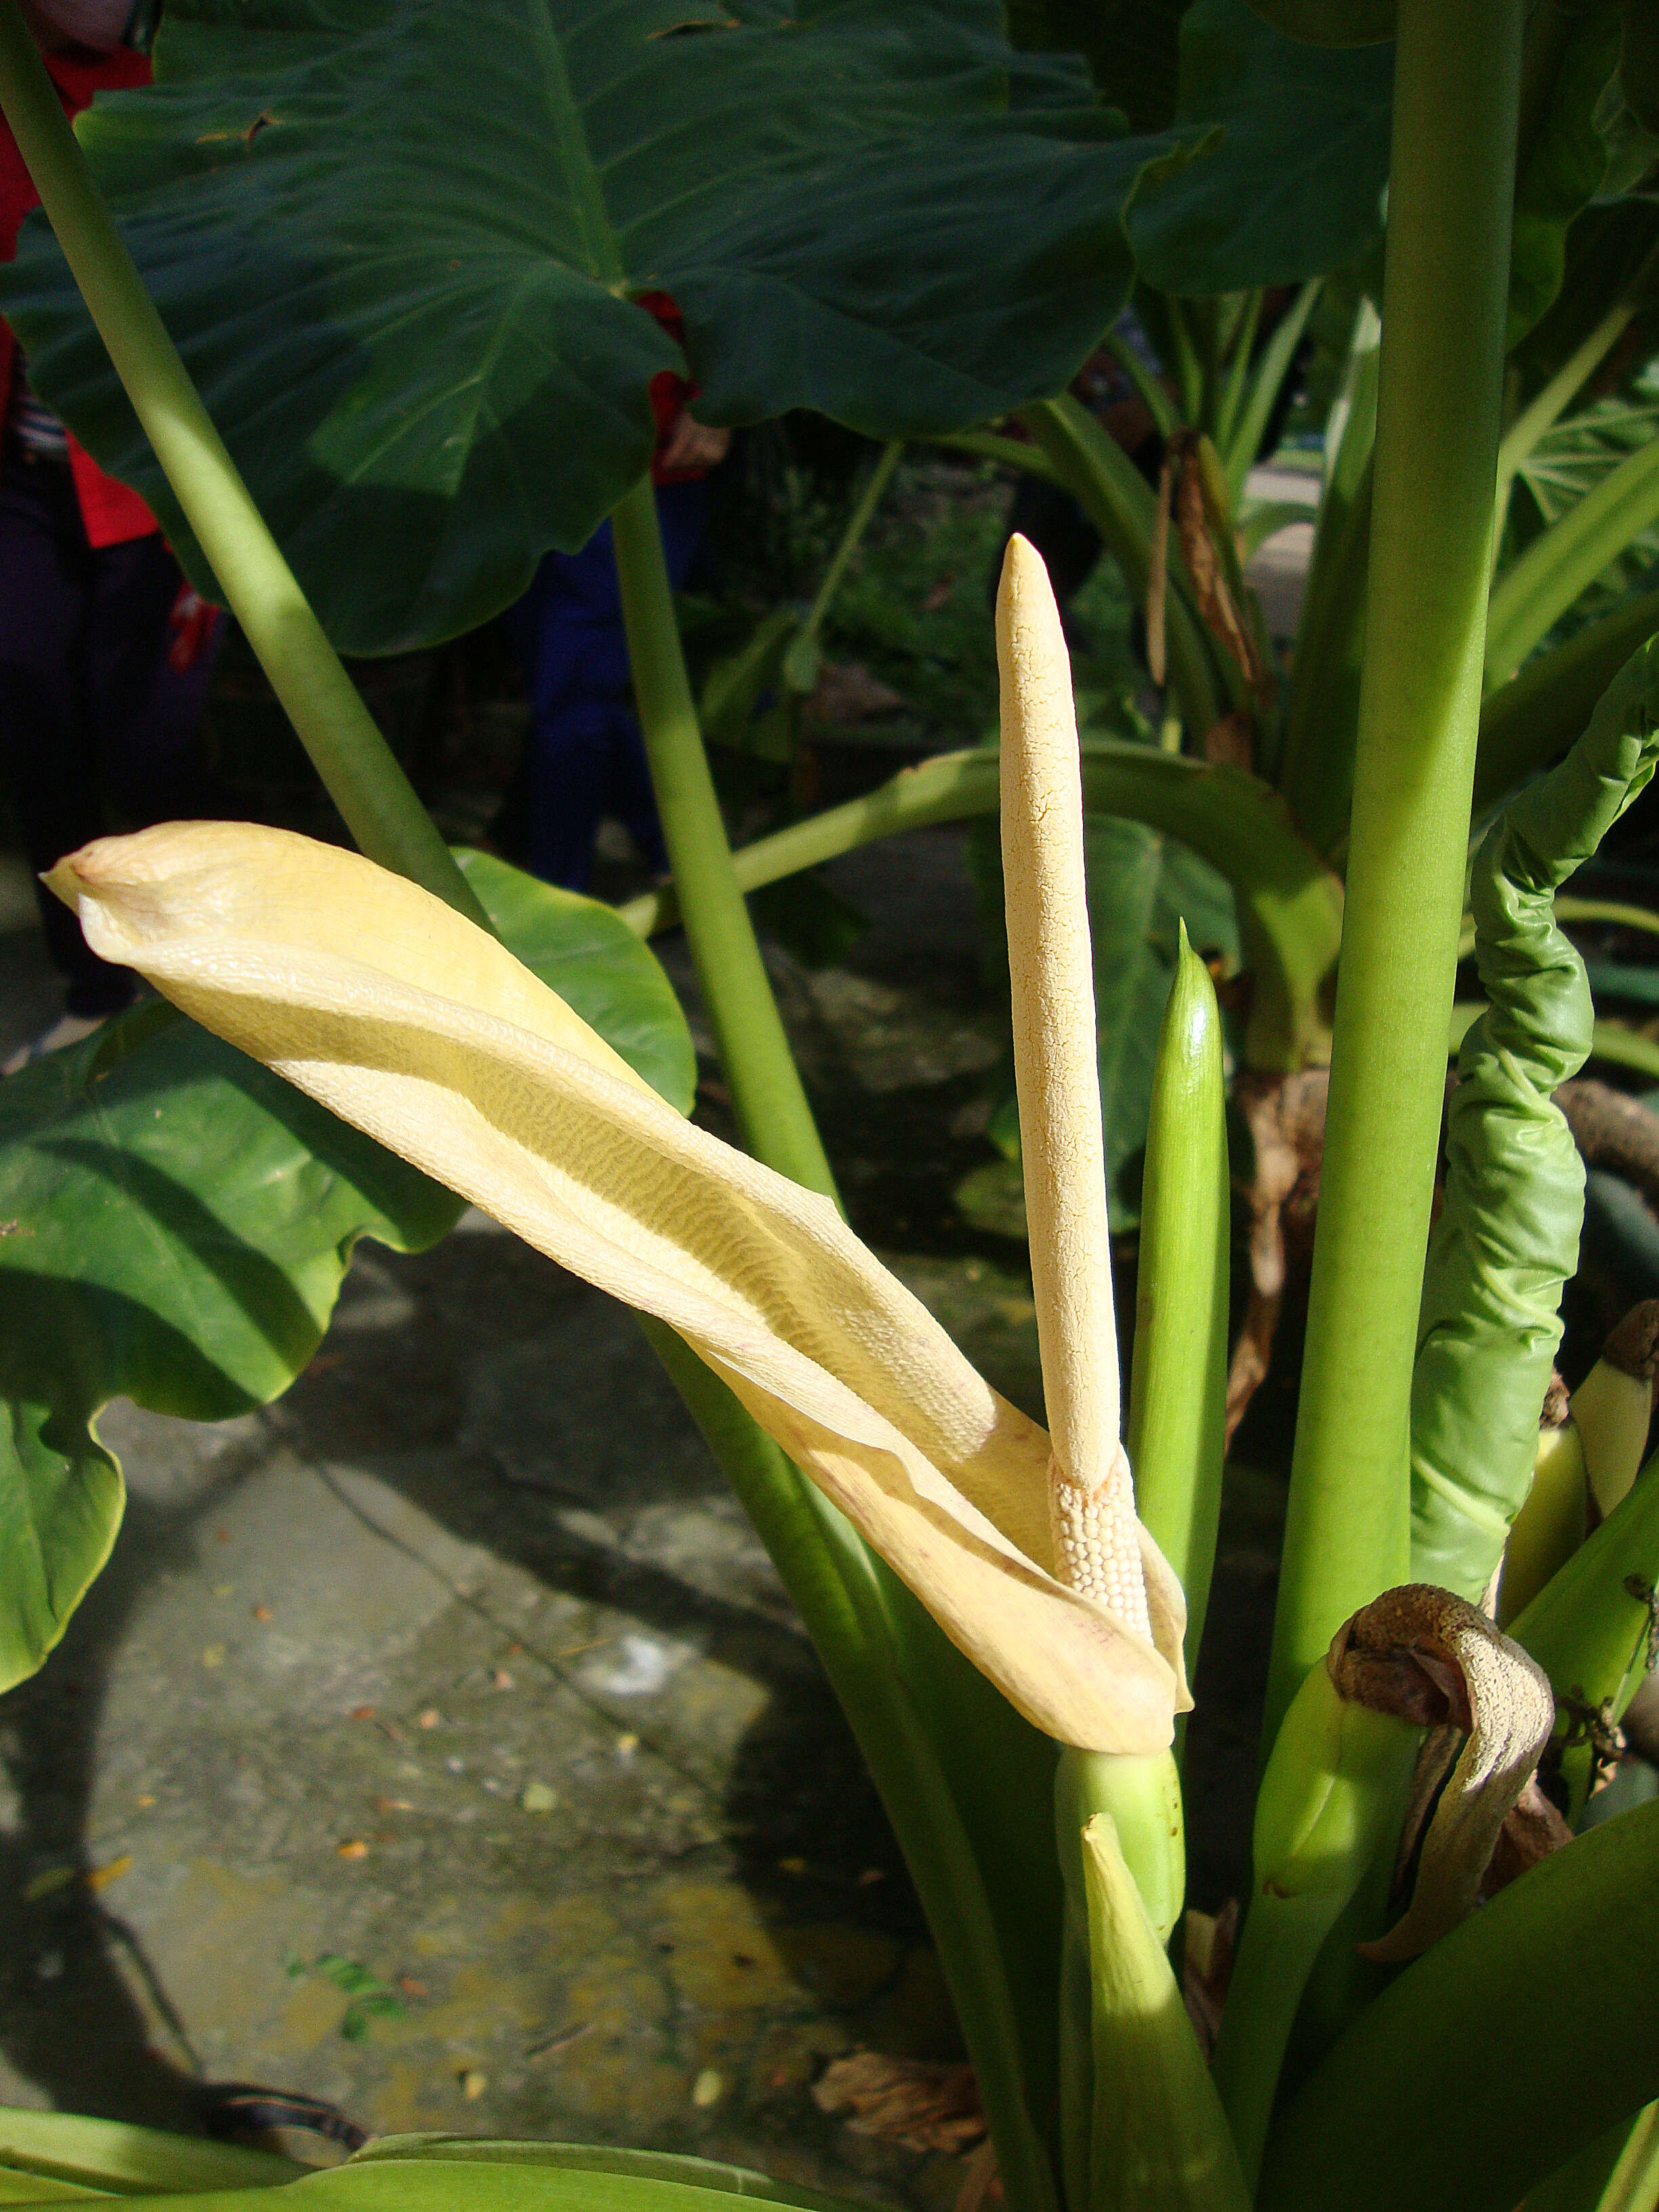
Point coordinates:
pixel 439 1742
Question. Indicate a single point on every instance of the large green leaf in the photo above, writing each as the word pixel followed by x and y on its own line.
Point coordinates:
pixel 175 1222
pixel 598 965
pixel 402 257
pixel 1142 886
pixel 1609 255
pixel 1131 47
pixel 94 2155
pixel 515 2178
pixel 627 2164
pixel 1289 181
pixel 1565 165
pixel 1487 2062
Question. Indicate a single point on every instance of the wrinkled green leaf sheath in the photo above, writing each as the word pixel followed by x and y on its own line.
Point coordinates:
pixel 1507 1235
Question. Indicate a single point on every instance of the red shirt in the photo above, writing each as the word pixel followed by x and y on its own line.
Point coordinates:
pixel 670 395
pixel 111 512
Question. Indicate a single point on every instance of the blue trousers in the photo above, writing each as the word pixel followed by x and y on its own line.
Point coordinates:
pixel 584 755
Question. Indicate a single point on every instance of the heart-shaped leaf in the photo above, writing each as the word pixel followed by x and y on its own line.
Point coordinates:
pixel 403 259
pixel 175 1222
pixel 1288 183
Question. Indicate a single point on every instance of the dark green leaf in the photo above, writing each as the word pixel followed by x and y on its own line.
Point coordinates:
pixel 402 259
pixel 809 918
pixel 1131 47
pixel 581 950
pixel 1142 886
pixel 1607 256
pixel 175 1222
pixel 1515 2039
pixel 1564 166
pixel 1623 979
pixel 1331 22
pixel 1289 181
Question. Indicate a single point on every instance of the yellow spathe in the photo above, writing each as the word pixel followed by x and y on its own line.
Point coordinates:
pixel 414 1024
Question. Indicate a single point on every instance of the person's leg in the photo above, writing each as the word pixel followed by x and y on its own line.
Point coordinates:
pixel 585 755
pixel 145 684
pixel 562 629
pixel 46 750
pixel 569 777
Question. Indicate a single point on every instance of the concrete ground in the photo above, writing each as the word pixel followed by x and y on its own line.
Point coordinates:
pixel 438 1742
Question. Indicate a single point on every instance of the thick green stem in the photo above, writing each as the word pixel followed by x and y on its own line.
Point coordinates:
pixel 862 1620
pixel 1009 453
pixel 1159 404
pixel 1143 1798
pixel 1280 1944
pixel 1316 758
pixel 1329 1800
pixel 1238 371
pixel 842 1595
pixel 1159 2142
pixel 771 1106
pixel 376 799
pixel 1187 369
pixel 1444 301
pixel 1178 1378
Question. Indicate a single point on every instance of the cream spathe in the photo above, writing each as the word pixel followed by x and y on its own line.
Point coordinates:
pixel 417 1026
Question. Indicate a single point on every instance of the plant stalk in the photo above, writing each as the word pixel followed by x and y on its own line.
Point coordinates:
pixel 376 800
pixel 1456 79
pixel 1187 367
pixel 858 522
pixel 828 1576
pixel 1531 596
pixel 864 1622
pixel 772 1114
pixel 1245 430
pixel 1289 906
pixel 1159 404
pixel 1105 482
pixel 1527 721
pixel 1542 412
pixel 1238 372
pixel 1178 1374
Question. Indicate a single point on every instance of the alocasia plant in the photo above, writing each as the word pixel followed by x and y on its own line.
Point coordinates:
pixel 1049 1913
